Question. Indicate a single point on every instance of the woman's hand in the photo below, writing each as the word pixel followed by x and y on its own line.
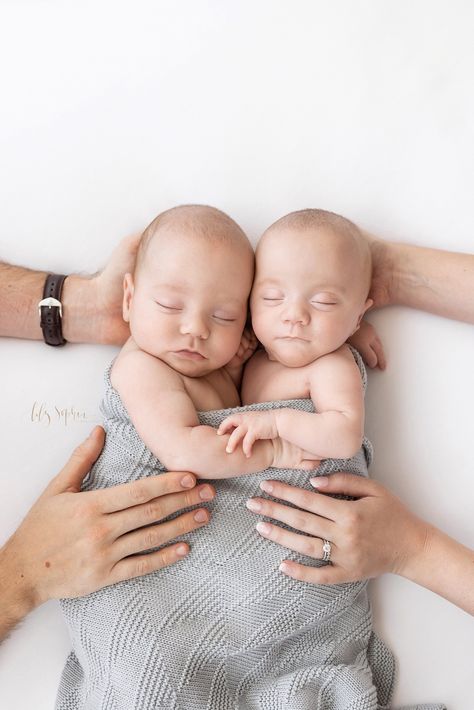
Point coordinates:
pixel 370 535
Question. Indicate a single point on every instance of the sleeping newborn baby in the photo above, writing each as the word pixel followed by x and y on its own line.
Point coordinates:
pixel 223 628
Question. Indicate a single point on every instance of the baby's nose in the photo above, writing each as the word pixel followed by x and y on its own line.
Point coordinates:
pixel 296 313
pixel 195 324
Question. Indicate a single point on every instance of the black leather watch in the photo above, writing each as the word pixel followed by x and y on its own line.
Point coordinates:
pixel 51 311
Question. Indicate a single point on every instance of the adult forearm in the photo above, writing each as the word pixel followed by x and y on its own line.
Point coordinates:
pixel 20 292
pixel 445 567
pixel 86 317
pixel 91 305
pixel 16 599
pixel 202 452
pixel 433 280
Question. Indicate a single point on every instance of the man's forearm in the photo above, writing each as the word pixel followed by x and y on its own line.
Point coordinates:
pixel 16 601
pixel 22 289
pixel 91 308
pixel 20 292
pixel 200 450
pixel 445 567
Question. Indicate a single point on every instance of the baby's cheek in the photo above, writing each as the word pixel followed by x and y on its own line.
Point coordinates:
pixel 261 326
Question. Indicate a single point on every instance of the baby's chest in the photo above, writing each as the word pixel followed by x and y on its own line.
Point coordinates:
pixel 265 380
pixel 211 392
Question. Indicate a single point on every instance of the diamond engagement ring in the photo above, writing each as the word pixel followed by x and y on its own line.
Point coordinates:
pixel 326 551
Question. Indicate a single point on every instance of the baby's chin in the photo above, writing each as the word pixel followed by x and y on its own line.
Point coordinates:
pixel 291 357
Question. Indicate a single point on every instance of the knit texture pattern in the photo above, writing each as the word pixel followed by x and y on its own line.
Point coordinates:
pixel 223 628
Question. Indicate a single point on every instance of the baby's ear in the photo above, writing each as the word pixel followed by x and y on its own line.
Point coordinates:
pixel 367 305
pixel 128 289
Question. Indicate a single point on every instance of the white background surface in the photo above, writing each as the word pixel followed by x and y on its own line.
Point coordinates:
pixel 114 111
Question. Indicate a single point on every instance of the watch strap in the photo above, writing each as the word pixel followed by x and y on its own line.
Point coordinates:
pixel 50 310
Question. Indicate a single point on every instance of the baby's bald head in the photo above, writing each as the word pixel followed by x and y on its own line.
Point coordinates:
pixel 197 222
pixel 340 234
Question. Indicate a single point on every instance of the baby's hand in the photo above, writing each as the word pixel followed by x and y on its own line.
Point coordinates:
pixel 288 455
pixel 247 347
pixel 248 427
pixel 368 343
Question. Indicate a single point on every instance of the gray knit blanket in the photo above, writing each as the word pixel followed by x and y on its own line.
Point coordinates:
pixel 223 628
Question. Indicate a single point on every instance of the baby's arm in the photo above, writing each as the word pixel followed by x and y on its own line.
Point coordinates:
pixel 335 431
pixel 166 420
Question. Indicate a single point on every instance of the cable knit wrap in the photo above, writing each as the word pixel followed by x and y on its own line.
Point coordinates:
pixel 223 628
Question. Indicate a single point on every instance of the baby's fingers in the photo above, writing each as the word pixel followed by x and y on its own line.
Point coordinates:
pixel 379 352
pixel 228 424
pixel 234 439
pixel 248 442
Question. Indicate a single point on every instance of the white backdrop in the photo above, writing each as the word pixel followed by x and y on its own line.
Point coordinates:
pixel 114 111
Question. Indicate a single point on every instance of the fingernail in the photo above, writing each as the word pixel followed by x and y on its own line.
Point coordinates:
pixel 228 451
pixel 188 481
pixel 181 550
pixel 319 482
pixel 206 493
pixel 253 505
pixel 284 567
pixel 263 528
pixel 266 486
pixel 200 516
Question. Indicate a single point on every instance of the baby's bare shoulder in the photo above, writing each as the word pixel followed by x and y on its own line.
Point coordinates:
pixel 338 363
pixel 134 365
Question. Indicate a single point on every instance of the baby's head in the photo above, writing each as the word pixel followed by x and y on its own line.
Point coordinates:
pixel 186 302
pixel 312 279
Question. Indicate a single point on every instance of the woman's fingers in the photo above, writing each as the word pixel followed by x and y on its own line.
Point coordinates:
pixel 159 508
pixel 302 498
pixel 327 574
pixel 348 484
pixel 294 518
pixel 304 544
pixel 157 535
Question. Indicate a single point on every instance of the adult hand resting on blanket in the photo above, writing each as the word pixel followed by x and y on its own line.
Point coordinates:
pixel 376 533
pixel 72 543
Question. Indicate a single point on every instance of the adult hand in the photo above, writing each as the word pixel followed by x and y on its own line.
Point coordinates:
pixel 370 535
pixel 384 273
pixel 72 543
pixel 93 306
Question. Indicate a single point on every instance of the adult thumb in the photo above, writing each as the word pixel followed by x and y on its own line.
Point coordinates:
pixel 70 478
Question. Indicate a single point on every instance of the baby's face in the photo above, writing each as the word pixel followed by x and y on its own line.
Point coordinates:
pixel 307 297
pixel 188 305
